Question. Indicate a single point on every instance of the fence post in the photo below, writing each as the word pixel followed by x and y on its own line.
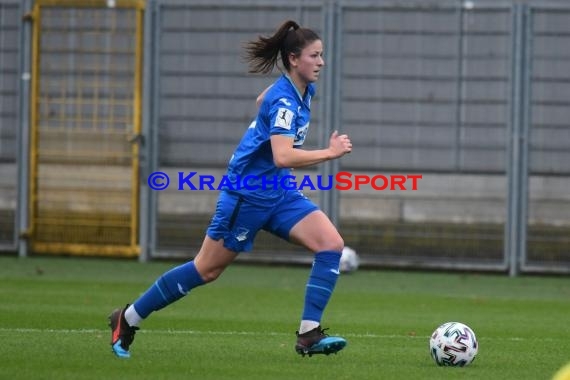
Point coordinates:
pixel 154 120
pixel 146 154
pixel 517 164
pixel 329 200
pixel 326 111
pixel 526 110
pixel 24 130
pixel 460 88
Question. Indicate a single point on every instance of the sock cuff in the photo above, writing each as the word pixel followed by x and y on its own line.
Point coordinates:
pixel 328 257
pixel 194 272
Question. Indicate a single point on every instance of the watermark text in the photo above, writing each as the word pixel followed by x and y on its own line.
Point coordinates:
pixel 343 181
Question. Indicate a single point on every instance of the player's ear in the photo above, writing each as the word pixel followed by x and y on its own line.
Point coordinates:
pixel 293 59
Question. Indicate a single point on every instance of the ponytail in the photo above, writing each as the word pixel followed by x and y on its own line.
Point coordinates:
pixel 263 53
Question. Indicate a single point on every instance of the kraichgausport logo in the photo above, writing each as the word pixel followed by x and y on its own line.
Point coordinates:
pixel 194 181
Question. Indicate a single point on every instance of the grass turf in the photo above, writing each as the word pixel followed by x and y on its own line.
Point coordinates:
pixel 53 316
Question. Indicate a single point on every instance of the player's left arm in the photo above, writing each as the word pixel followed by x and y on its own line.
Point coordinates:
pixel 285 155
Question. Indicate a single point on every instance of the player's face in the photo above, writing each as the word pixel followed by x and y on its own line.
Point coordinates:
pixel 308 65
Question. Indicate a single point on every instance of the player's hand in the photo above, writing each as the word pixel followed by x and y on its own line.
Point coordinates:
pixel 339 145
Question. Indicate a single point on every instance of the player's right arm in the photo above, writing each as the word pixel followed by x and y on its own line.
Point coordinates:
pixel 260 97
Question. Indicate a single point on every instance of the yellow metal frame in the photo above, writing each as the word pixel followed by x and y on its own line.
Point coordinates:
pixel 133 249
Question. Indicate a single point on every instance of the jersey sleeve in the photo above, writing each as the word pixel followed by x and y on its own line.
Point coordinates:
pixel 282 116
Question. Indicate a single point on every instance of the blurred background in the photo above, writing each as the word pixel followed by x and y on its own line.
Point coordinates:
pixel 473 95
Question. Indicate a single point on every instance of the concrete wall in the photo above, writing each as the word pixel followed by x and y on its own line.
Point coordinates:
pixel 424 89
pixel 439 198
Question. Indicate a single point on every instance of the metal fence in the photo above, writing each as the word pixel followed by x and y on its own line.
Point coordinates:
pixel 206 100
pixel 84 127
pixel 472 95
pixel 10 33
pixel 431 98
pixel 545 199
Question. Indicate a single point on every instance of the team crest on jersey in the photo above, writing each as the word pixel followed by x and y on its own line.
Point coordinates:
pixel 284 118
pixel 301 135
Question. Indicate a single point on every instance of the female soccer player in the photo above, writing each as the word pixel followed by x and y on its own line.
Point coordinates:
pixel 270 147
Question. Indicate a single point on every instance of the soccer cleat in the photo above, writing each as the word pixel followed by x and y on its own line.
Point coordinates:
pixel 317 342
pixel 122 335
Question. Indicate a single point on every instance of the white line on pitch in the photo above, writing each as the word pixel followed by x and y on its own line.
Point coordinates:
pixel 251 333
pixel 177 332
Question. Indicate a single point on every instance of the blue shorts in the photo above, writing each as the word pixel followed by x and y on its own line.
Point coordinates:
pixel 237 219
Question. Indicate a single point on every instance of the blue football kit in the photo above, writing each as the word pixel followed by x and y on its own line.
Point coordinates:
pixel 284 111
pixel 259 197
pixel 255 200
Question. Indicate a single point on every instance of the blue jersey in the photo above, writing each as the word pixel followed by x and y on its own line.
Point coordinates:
pixel 284 111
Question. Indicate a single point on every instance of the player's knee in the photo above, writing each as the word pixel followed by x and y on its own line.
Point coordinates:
pixel 333 244
pixel 211 275
pixel 338 244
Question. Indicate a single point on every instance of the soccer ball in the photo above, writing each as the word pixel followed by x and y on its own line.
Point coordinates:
pixel 453 344
pixel 563 373
pixel 349 260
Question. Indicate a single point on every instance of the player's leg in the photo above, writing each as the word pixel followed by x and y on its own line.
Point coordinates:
pixel 299 220
pixel 210 262
pixel 317 233
pixel 220 247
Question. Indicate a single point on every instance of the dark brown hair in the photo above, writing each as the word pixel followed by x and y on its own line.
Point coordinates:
pixel 263 53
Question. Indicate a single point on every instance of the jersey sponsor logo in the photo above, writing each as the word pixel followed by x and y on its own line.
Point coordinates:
pixel 284 118
pixel 285 101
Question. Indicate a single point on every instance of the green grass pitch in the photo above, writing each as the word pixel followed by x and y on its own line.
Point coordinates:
pixel 53 323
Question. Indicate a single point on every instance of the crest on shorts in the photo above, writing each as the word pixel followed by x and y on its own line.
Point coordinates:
pixel 241 233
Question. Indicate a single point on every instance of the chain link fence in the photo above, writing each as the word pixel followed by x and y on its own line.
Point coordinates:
pixel 471 95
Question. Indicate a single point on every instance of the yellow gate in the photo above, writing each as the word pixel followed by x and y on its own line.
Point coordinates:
pixel 85 126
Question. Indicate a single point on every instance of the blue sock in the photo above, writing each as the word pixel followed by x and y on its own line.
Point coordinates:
pixel 320 286
pixel 169 287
